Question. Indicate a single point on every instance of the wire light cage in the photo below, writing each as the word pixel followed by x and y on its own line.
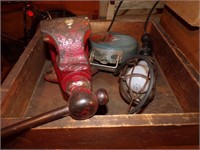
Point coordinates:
pixel 137 82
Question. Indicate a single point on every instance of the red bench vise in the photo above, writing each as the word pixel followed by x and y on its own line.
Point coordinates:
pixel 68 38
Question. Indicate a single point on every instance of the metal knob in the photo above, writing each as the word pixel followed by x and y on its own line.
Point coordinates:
pixel 83 104
pixel 102 96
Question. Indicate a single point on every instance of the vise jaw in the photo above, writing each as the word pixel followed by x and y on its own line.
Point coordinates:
pixel 69 52
pixel 70 56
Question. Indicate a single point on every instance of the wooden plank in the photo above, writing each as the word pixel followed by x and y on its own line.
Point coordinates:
pixel 5 68
pixel 188 10
pixel 114 131
pixel 20 83
pixel 181 75
pixel 121 120
pixel 185 36
pixel 134 29
pixel 104 138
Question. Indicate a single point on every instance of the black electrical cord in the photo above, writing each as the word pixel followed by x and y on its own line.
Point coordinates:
pixel 113 19
pixel 152 75
pixel 147 20
pixel 151 84
pixel 146 40
pixel 145 37
pixel 146 51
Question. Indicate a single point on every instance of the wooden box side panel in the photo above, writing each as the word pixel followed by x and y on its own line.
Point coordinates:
pixel 20 83
pixel 185 36
pixel 179 72
pixel 132 131
pixel 112 138
pixel 188 10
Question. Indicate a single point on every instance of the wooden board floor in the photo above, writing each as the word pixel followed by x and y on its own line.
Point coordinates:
pixel 48 96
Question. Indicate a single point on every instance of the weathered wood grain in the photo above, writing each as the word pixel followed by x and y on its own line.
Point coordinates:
pixel 131 131
pixel 185 36
pixel 18 87
pixel 181 75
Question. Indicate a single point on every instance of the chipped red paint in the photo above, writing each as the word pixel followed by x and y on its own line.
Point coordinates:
pixel 69 37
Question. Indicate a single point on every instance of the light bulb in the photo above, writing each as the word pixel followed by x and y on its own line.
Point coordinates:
pixel 137 82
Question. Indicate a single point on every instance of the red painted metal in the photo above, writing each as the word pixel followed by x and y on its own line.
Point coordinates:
pixel 70 57
pixel 70 49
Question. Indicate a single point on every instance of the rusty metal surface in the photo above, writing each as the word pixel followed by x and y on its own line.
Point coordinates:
pixel 68 35
pixel 69 50
pixel 70 57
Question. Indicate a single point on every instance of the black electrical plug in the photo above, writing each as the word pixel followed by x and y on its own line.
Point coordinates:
pixel 146 48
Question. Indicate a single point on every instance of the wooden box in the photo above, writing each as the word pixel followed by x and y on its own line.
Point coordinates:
pixel 171 120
